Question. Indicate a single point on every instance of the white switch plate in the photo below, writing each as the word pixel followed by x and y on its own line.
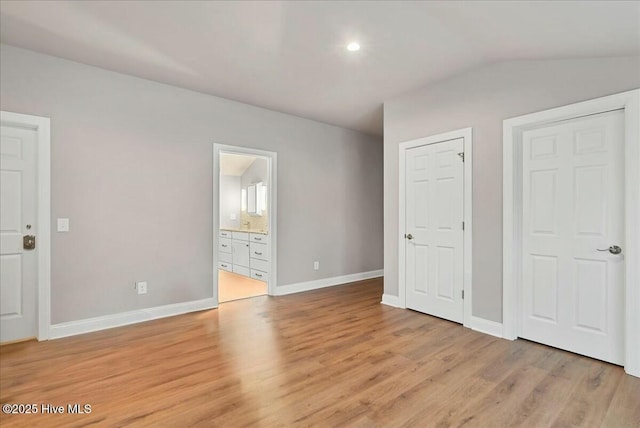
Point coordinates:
pixel 232 216
pixel 141 287
pixel 63 225
pixel 316 265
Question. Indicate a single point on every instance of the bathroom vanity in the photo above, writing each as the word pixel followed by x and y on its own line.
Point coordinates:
pixel 244 252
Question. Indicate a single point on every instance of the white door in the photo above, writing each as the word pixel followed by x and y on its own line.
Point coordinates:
pixel 18 266
pixel 434 195
pixel 573 206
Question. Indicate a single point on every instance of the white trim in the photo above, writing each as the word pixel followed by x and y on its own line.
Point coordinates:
pixel 390 300
pixel 467 135
pixel 89 325
pixel 272 195
pixel 511 194
pixel 485 326
pixel 326 282
pixel 42 126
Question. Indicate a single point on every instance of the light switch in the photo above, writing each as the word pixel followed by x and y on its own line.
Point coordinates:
pixel 232 216
pixel 63 225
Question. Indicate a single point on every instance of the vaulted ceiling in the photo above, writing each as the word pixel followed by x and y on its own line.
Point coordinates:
pixel 290 56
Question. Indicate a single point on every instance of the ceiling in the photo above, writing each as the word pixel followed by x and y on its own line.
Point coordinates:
pixel 235 165
pixel 290 56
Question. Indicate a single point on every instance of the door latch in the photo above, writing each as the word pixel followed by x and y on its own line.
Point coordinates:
pixel 29 242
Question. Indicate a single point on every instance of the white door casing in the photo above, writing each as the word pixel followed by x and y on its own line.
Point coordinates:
pixel 272 203
pixel 435 205
pixel 573 205
pixel 25 210
pixel 513 130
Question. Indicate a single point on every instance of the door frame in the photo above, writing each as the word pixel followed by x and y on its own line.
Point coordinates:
pixel 272 196
pixel 42 127
pixel 512 210
pixel 467 135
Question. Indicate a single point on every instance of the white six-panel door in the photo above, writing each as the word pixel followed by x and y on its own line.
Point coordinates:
pixel 18 267
pixel 434 186
pixel 573 189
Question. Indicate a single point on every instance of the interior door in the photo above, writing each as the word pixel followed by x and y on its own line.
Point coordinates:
pixel 573 212
pixel 434 187
pixel 18 266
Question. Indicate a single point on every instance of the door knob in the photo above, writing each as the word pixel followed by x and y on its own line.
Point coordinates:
pixel 409 236
pixel 614 249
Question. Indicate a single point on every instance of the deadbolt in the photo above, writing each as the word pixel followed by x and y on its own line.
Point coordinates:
pixel 28 227
pixel 29 242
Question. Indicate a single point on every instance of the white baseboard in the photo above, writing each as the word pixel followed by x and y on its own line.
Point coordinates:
pixel 391 300
pixel 486 326
pixel 299 287
pixel 72 328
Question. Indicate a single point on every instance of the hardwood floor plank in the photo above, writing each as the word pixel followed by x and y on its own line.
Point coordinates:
pixel 330 357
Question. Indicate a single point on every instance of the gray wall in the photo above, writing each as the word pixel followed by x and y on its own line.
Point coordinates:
pixel 132 168
pixel 230 201
pixel 482 99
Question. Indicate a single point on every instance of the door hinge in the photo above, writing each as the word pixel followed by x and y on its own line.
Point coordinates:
pixel 462 294
pixel 463 225
pixel 461 154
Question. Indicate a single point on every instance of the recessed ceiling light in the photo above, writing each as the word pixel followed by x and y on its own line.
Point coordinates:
pixel 353 46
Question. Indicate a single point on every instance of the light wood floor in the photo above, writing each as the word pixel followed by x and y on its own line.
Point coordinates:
pixel 232 286
pixel 331 357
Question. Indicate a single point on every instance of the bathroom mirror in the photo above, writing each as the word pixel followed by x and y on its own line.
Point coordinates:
pixel 256 199
pixel 252 200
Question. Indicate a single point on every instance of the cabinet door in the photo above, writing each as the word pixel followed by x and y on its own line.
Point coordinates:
pixel 240 253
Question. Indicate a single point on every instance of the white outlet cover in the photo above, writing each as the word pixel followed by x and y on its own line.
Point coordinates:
pixel 63 225
pixel 141 287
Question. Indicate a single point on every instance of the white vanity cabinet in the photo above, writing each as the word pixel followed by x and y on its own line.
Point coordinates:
pixel 244 253
pixel 259 256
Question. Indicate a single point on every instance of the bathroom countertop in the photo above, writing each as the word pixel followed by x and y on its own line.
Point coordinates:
pixel 262 232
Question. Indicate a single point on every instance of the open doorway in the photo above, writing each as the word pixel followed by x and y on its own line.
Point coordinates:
pixel 244 220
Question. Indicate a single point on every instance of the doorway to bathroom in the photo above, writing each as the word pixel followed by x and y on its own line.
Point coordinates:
pixel 244 220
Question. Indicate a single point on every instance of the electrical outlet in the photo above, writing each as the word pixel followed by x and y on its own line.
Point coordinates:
pixel 316 265
pixel 141 287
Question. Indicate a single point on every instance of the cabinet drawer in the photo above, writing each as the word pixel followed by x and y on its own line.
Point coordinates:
pixel 259 237
pixel 260 276
pixel 241 236
pixel 241 270
pixel 225 257
pixel 224 245
pixel 259 251
pixel 225 266
pixel 225 234
pixel 257 264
